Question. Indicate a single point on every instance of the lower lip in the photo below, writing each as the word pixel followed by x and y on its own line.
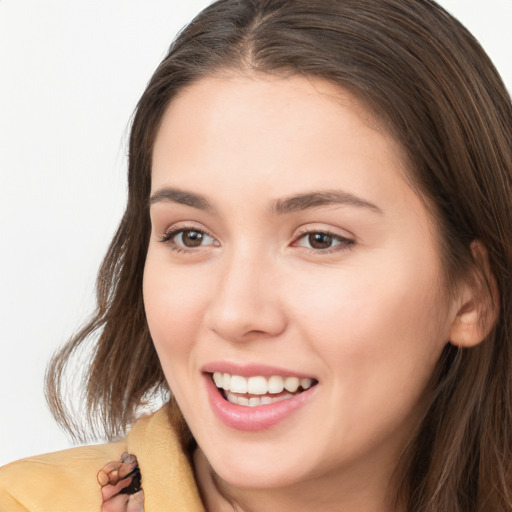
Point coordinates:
pixel 261 417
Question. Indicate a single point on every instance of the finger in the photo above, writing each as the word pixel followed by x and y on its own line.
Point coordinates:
pixel 113 472
pixel 136 502
pixel 118 503
pixel 107 491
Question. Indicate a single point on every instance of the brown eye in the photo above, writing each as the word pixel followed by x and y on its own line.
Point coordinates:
pixel 182 239
pixel 191 238
pixel 320 240
pixel 323 242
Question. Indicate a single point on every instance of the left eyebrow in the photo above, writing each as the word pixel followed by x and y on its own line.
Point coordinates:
pixel 176 195
pixel 322 198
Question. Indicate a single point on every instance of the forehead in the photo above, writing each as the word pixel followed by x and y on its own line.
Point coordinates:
pixel 277 124
pixel 232 89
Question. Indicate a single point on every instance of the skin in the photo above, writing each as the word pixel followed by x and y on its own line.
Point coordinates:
pixel 367 318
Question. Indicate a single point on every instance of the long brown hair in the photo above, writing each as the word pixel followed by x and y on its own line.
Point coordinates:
pixel 437 92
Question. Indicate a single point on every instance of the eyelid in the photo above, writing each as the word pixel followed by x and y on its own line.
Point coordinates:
pixel 345 241
pixel 323 228
pixel 171 232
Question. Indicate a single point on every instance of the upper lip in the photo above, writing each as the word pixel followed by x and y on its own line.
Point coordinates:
pixel 252 370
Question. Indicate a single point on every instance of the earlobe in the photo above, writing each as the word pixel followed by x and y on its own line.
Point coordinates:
pixel 478 302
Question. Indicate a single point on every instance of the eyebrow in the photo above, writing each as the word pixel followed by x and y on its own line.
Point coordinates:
pixel 322 198
pixel 280 207
pixel 175 195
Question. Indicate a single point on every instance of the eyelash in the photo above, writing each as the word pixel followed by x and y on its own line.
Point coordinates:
pixel 168 236
pixel 343 242
pixel 342 245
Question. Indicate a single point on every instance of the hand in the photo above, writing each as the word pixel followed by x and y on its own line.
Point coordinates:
pixel 120 486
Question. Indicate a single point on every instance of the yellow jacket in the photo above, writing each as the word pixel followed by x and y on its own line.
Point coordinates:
pixel 66 481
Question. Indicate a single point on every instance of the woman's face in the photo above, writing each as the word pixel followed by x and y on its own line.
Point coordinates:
pixel 288 249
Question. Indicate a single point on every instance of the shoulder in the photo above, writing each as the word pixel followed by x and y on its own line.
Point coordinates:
pixel 63 481
pixel 66 481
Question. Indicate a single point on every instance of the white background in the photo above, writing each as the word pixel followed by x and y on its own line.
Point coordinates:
pixel 71 72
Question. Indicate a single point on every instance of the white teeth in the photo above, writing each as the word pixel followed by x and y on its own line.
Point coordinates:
pixel 257 386
pixel 285 396
pixel 256 401
pixel 306 383
pixel 226 379
pixel 260 385
pixel 291 384
pixel 217 378
pixel 238 384
pixel 275 384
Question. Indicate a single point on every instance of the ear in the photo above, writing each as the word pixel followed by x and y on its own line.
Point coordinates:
pixel 477 302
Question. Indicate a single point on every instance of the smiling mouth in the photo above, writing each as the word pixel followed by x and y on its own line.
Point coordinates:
pixel 258 390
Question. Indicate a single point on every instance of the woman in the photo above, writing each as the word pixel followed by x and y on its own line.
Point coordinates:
pixel 315 259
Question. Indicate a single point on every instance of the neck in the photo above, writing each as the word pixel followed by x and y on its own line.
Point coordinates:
pixel 355 491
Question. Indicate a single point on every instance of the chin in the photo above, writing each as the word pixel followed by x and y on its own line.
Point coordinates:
pixel 259 465
pixel 257 477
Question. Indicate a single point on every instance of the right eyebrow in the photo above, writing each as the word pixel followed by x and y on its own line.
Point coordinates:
pixel 321 198
pixel 175 195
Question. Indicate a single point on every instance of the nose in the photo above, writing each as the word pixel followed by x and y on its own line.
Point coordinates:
pixel 246 304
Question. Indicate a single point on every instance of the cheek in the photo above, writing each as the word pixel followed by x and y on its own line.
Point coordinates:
pixel 376 325
pixel 173 301
pixel 379 344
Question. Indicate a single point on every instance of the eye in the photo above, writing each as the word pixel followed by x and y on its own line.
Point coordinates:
pixel 322 241
pixel 183 239
pixel 191 238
